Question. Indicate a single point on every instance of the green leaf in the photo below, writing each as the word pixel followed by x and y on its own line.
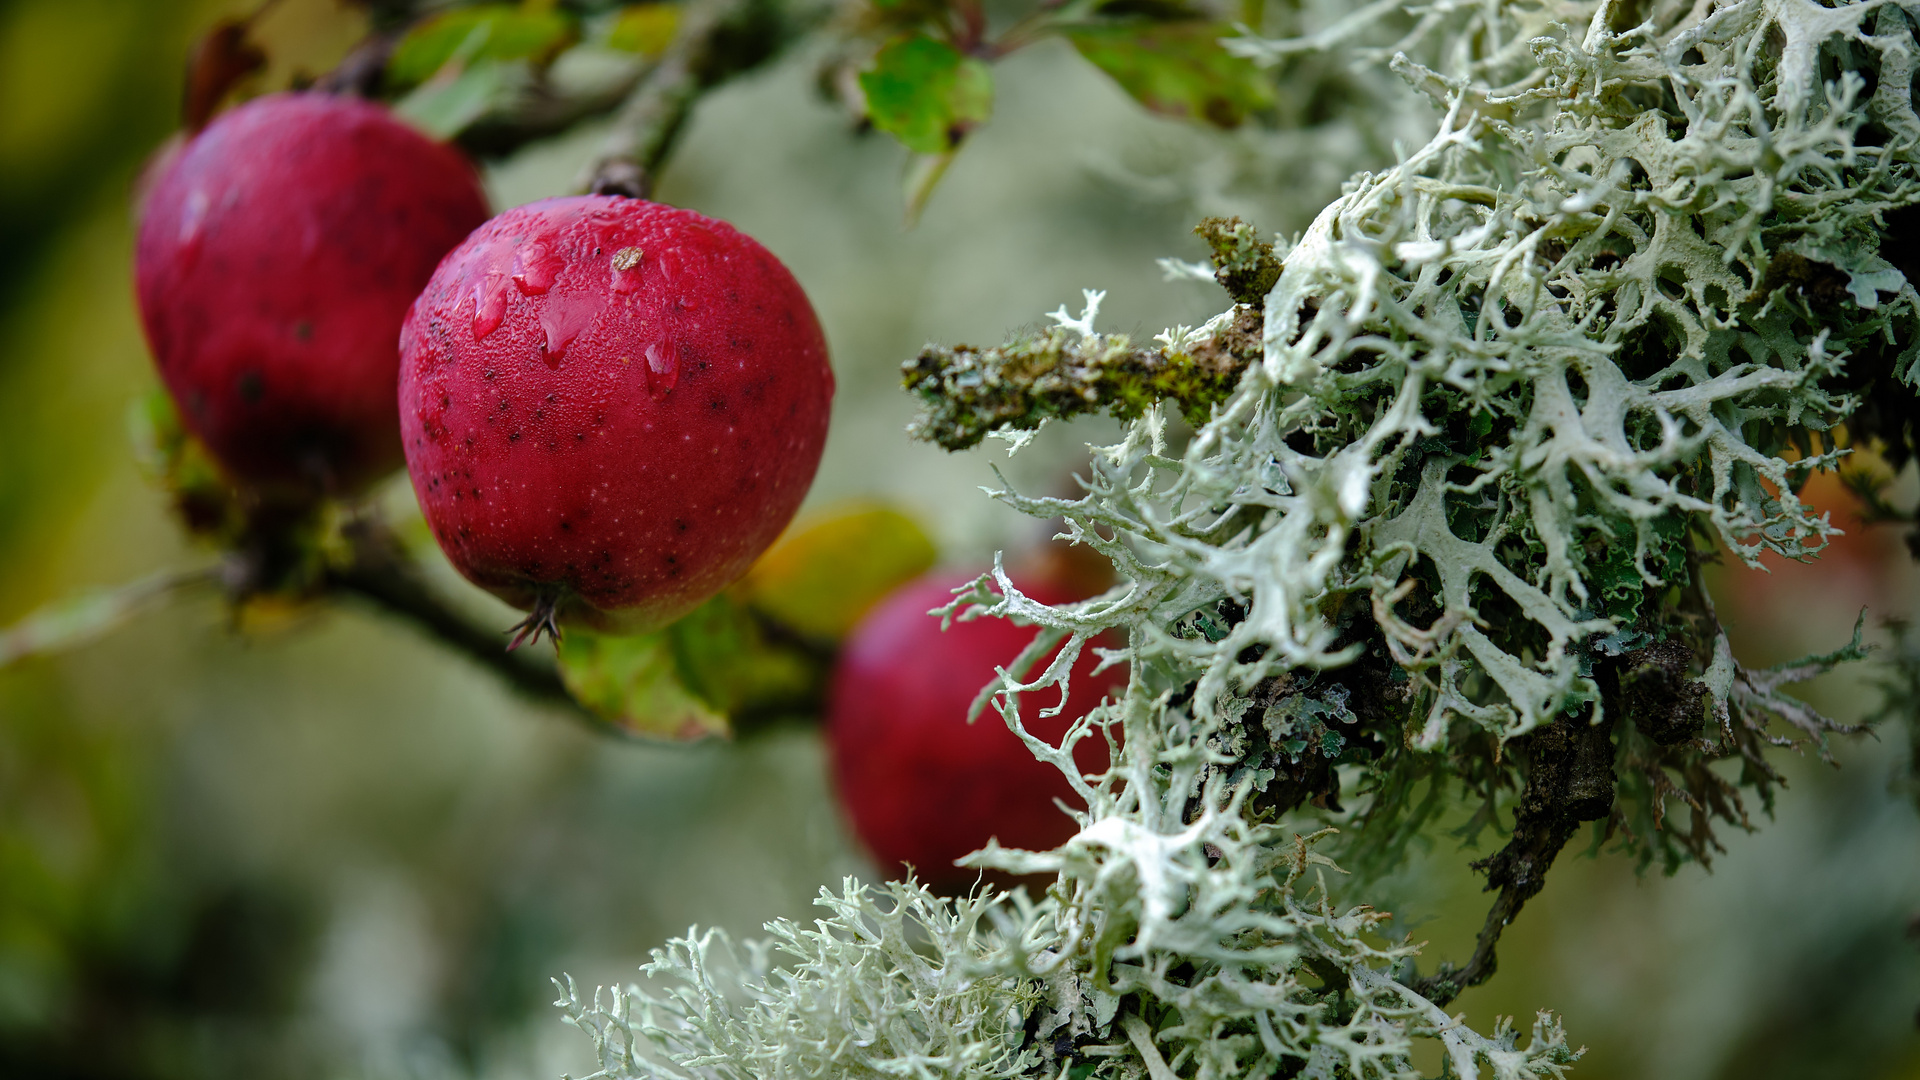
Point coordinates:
pixel 1178 69
pixel 925 94
pixel 691 679
pixel 634 682
pixel 757 650
pixel 484 32
pixel 825 574
pixel 727 657
pixel 445 109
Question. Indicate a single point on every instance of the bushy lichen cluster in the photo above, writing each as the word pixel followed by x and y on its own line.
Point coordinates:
pixel 1439 549
pixel 1199 960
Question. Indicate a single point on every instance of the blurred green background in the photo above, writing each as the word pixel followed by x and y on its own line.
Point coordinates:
pixel 329 848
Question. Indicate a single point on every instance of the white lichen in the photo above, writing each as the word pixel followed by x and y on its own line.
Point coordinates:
pixel 1510 390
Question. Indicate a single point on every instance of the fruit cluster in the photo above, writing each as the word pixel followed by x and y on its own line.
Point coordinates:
pixel 609 408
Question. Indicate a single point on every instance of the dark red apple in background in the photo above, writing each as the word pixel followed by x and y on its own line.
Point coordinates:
pixel 277 253
pixel 921 785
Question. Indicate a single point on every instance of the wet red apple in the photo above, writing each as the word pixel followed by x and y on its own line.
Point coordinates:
pixel 611 407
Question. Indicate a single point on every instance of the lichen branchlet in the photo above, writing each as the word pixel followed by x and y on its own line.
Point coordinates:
pixel 1056 374
pixel 1243 264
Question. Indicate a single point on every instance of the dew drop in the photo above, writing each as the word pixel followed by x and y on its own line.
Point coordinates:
pixel 663 372
pixel 193 220
pixel 489 298
pixel 534 268
pixel 563 318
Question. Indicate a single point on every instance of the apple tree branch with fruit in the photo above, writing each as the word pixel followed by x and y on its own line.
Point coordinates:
pixel 1415 525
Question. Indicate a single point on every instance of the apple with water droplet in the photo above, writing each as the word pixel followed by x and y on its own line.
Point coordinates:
pixel 610 407
pixel 921 785
pixel 277 253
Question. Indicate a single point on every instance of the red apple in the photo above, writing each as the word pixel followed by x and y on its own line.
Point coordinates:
pixel 922 786
pixel 611 407
pixel 278 251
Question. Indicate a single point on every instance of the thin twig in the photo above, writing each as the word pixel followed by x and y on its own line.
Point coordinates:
pixel 79 620
pixel 717 39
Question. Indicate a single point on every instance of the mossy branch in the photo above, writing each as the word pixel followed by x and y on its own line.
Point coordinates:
pixel 1056 374
pixel 1068 370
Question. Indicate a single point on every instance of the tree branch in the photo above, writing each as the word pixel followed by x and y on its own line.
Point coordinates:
pixel 1058 373
pixel 717 39
pixel 382 575
pixel 398 592
pixel 1569 781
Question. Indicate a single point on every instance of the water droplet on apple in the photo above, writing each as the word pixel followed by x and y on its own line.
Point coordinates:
pixel 534 268
pixel 563 318
pixel 193 220
pixel 489 298
pixel 663 371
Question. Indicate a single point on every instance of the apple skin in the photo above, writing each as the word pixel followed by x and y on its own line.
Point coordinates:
pixel 611 407
pixel 921 786
pixel 277 253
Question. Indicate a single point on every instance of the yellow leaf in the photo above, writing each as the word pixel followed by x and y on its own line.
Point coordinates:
pixel 646 29
pixel 828 571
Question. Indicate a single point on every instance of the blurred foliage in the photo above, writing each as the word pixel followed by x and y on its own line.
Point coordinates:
pixel 1178 68
pixel 759 651
pixel 445 108
pixel 1900 703
pixel 922 67
pixel 924 93
pixel 646 28
pixel 174 461
pixel 832 567
pixel 464 36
